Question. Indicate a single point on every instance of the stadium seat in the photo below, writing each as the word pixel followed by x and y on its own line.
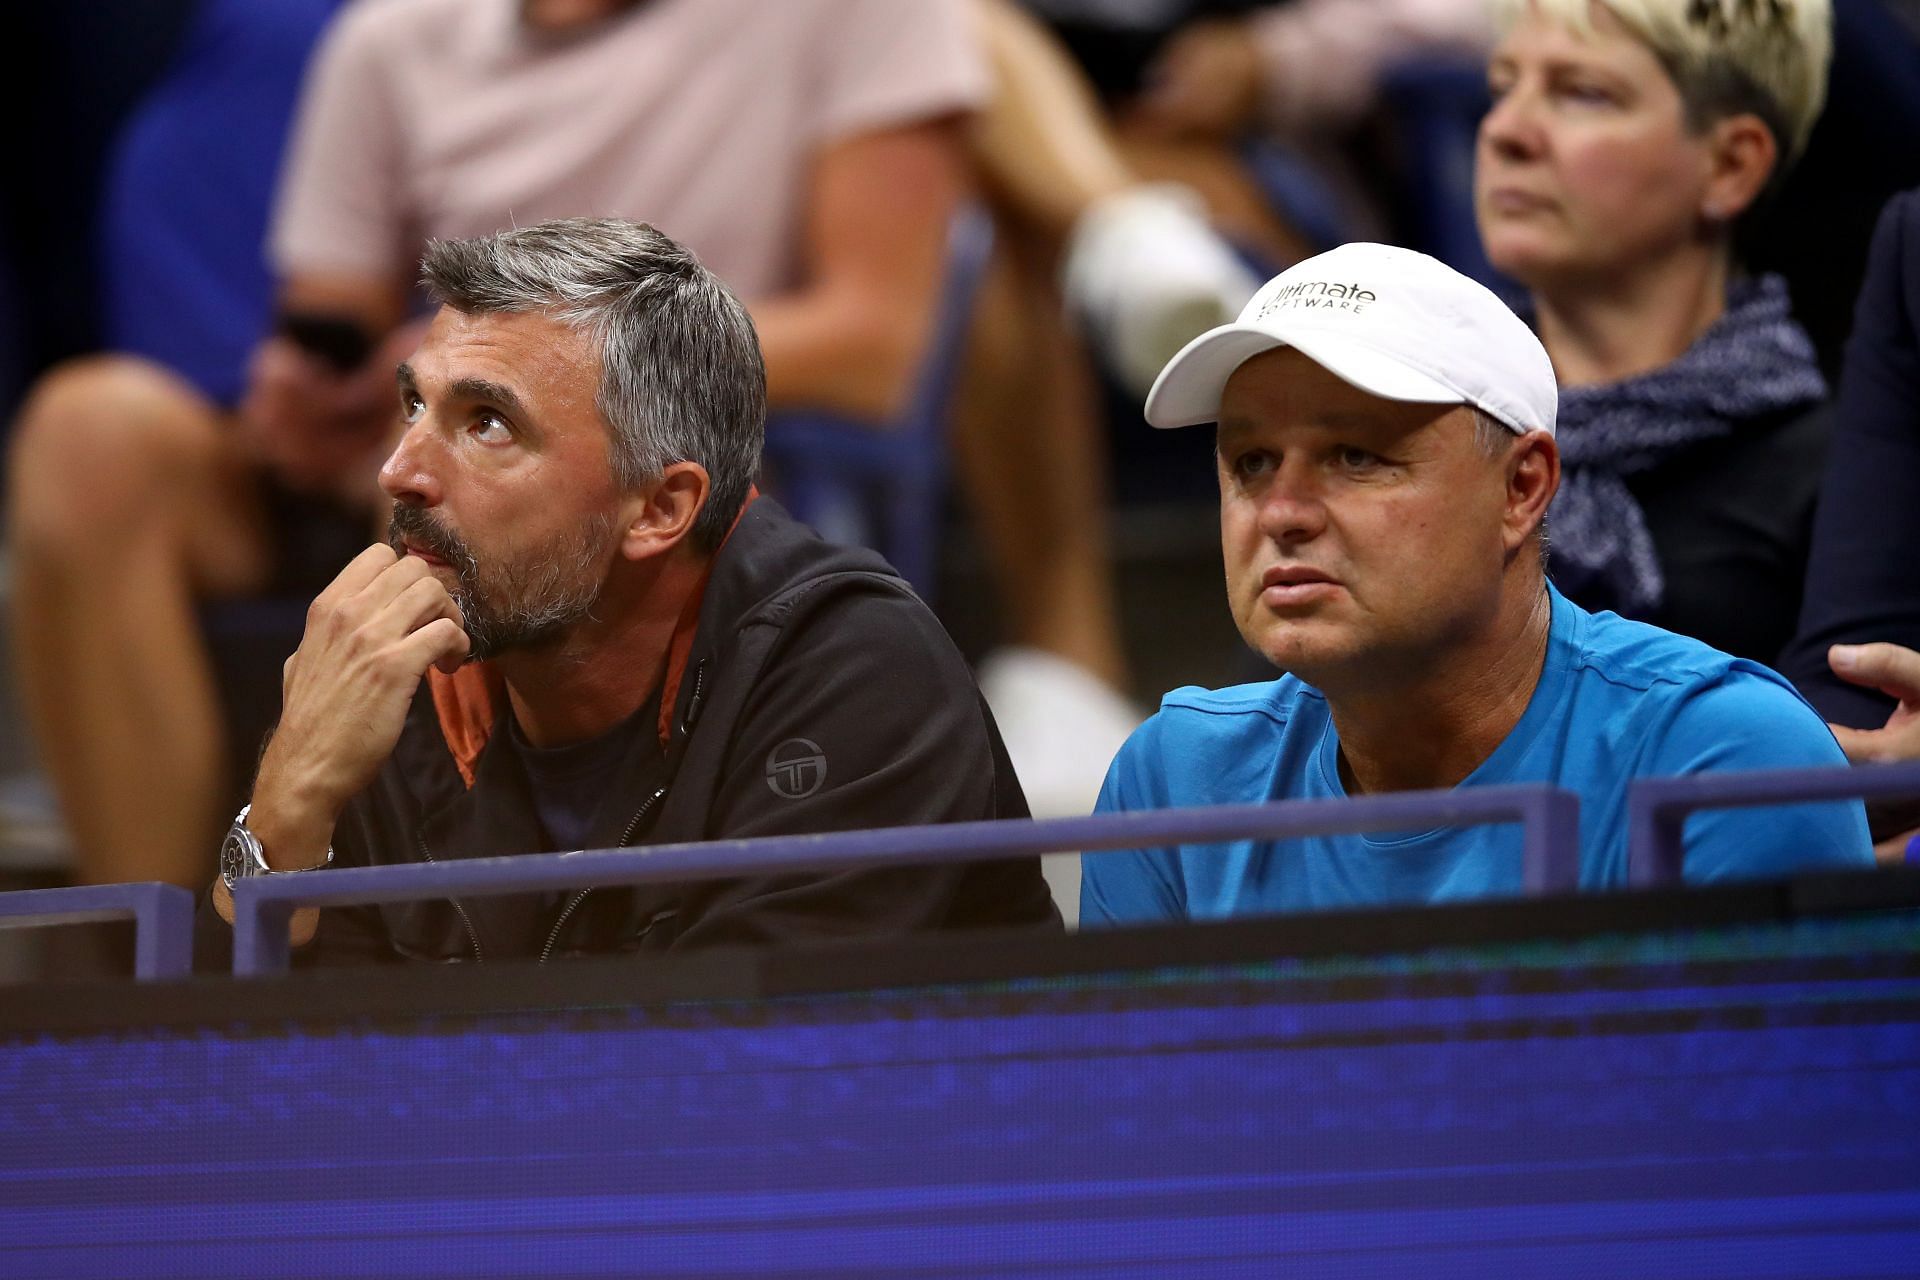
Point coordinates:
pixel 884 485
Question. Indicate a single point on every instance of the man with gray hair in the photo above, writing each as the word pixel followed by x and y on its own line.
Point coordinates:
pixel 1386 455
pixel 586 631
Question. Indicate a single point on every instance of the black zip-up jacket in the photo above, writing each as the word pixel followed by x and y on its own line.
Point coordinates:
pixel 818 694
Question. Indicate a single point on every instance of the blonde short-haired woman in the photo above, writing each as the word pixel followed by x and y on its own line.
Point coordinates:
pixel 1626 141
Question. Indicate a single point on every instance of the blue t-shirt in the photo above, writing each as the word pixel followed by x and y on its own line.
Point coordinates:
pixel 1617 700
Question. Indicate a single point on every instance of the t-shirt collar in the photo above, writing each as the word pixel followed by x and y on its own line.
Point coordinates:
pixel 1549 696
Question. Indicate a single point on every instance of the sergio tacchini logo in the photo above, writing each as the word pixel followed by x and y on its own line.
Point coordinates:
pixel 796 768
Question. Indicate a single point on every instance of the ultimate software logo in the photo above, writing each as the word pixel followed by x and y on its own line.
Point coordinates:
pixel 1319 294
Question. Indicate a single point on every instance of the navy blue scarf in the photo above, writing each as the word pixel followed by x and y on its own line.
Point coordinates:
pixel 1753 364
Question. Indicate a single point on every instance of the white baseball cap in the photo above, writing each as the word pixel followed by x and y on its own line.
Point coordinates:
pixel 1392 322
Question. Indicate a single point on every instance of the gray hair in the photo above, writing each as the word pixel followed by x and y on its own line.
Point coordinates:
pixel 681 377
pixel 1493 438
pixel 1490 435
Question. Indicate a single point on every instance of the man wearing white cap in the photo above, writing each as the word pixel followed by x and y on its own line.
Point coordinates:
pixel 1386 457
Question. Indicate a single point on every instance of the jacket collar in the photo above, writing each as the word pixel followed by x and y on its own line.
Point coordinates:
pixel 470 702
pixel 764 561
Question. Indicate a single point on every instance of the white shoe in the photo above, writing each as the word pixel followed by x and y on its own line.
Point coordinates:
pixel 1062 726
pixel 1149 274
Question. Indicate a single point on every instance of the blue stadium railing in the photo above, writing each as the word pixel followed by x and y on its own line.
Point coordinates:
pixel 162 916
pixel 1658 807
pixel 1548 817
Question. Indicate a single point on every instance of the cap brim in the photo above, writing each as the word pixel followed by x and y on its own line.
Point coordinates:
pixel 1187 392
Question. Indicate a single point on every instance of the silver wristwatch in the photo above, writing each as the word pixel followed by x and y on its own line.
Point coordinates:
pixel 241 855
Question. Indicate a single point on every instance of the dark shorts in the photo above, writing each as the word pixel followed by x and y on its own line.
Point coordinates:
pixel 249 638
pixel 312 538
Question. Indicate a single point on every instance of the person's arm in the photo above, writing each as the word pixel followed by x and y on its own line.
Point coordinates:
pixel 871 688
pixel 1309 65
pixel 1893 670
pixel 1133 886
pixel 1041 140
pixel 1748 720
pixel 1863 574
pixel 850 337
pixel 319 427
pixel 343 936
pixel 369 640
pixel 891 84
pixel 341 247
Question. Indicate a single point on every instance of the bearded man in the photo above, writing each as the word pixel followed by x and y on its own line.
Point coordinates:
pixel 587 631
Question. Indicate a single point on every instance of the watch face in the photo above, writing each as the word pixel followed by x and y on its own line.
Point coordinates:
pixel 235 864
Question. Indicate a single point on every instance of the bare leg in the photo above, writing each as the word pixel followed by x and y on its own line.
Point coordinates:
pixel 1033 467
pixel 1046 146
pixel 1142 264
pixel 1041 140
pixel 128 503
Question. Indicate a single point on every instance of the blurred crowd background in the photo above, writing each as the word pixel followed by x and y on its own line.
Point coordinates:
pixel 969 231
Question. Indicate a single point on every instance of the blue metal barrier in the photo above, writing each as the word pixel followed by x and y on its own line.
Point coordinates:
pixel 1548 816
pixel 1657 807
pixel 162 917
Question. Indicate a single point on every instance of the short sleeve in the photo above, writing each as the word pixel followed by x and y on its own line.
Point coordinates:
pixel 341 208
pixel 884 64
pixel 1750 720
pixel 1132 886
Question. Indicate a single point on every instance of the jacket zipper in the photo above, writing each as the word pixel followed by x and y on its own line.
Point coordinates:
pixel 566 912
pixel 473 935
pixel 693 702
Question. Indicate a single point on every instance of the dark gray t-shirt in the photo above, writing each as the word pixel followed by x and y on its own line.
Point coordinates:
pixel 570 783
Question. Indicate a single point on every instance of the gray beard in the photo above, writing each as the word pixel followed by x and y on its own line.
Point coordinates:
pixel 527 605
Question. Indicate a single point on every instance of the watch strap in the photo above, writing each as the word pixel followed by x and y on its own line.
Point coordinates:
pixel 257 852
